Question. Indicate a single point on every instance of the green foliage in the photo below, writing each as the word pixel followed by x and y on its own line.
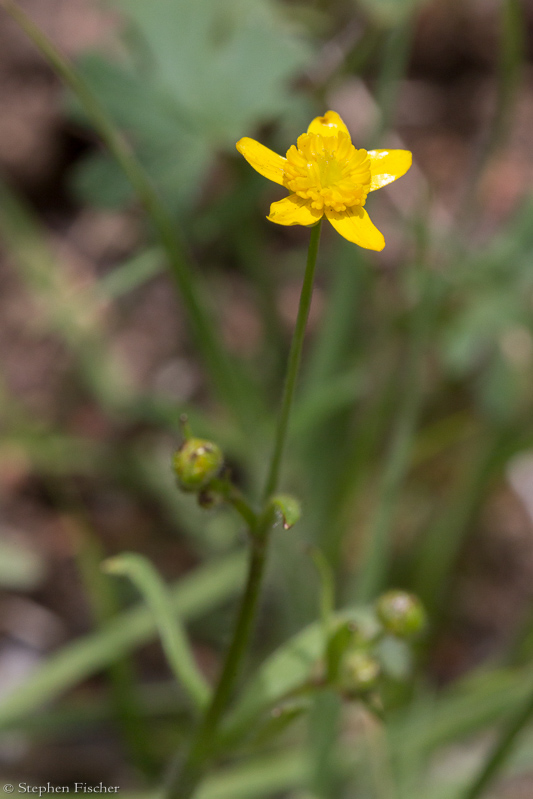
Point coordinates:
pixel 416 392
pixel 198 75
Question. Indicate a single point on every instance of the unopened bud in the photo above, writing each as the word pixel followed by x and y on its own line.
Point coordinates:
pixel 401 614
pixel 196 463
pixel 359 672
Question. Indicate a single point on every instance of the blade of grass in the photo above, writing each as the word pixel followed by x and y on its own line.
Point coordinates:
pixel 353 474
pixel 156 701
pixel 313 411
pixel 171 631
pixel 502 749
pixel 261 777
pixel 327 589
pixel 376 555
pixel 324 726
pixel 250 248
pixel 200 318
pixel 395 58
pixel 440 548
pixel 194 595
pixel 510 65
pixel 469 706
pixel 329 394
pixel 336 328
pixel 132 273
pixel 104 606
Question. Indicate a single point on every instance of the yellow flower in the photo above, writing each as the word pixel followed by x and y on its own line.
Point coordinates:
pixel 327 175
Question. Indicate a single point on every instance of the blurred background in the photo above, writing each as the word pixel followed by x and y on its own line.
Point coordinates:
pixel 412 437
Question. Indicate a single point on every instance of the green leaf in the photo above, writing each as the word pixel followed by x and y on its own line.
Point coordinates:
pixel 215 72
pixel 171 631
pixel 98 180
pixel 224 68
pixel 286 670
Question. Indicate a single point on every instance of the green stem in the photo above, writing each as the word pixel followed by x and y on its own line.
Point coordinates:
pixel 501 751
pixel 294 362
pixel 187 775
pixel 233 497
pixel 183 782
pixel 200 317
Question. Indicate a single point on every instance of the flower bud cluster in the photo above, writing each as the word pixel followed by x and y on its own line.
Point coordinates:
pixel 361 656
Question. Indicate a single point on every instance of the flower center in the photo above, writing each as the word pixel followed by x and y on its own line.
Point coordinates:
pixel 328 170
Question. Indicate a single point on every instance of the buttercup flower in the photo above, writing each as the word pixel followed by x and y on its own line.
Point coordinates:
pixel 327 175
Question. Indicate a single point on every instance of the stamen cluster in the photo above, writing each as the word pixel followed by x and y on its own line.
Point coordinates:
pixel 329 171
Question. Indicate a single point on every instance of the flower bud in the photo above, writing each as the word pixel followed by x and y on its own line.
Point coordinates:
pixel 347 637
pixel 359 673
pixel 401 614
pixel 196 463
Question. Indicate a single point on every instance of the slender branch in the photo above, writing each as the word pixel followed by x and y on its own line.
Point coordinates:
pixel 186 776
pixel 234 497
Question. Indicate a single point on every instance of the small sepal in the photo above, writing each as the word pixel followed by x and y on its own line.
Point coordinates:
pixel 287 508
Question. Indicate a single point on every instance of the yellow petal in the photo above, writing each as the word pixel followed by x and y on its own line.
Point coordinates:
pixel 265 161
pixel 355 225
pixel 293 210
pixel 387 165
pixel 328 125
